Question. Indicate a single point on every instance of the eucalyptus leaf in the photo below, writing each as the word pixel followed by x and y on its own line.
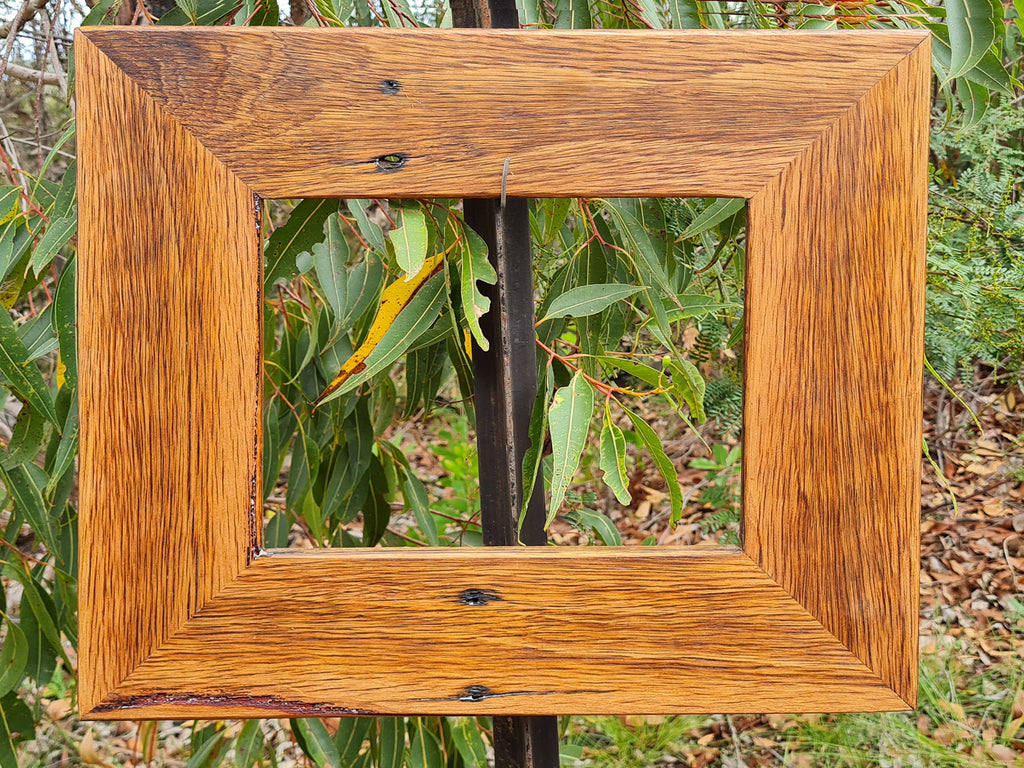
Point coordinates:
pixel 569 423
pixel 391 742
pixel 587 300
pixel 249 745
pixel 600 525
pixel 410 240
pixel 319 745
pixel 538 428
pixel 26 437
pixel 613 458
pixel 303 230
pixel 714 214
pixel 19 373
pixel 418 315
pixel 330 262
pixel 474 267
pixel 56 236
pixel 13 657
pixel 664 464
pixel 425 750
pixel 974 26
pixel 469 742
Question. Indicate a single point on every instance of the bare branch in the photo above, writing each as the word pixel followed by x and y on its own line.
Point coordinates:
pixel 32 75
pixel 28 10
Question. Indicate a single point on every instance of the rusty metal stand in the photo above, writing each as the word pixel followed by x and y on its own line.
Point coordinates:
pixel 505 388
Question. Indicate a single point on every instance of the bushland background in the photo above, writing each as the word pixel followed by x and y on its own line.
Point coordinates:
pixel 640 314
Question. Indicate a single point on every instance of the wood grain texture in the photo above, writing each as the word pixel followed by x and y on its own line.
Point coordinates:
pixel 301 112
pixel 184 616
pixel 628 630
pixel 832 400
pixel 170 361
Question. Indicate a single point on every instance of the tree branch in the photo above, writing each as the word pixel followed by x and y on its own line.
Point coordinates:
pixel 28 10
pixel 32 75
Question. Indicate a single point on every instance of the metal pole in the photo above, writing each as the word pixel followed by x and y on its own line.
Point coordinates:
pixel 504 390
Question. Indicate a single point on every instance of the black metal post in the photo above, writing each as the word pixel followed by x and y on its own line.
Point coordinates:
pixel 505 385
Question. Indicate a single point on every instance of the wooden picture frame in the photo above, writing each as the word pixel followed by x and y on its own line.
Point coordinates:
pixel 182 132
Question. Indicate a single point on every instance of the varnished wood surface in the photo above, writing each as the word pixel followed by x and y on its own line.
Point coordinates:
pixel 302 112
pixel 577 631
pixel 832 394
pixel 170 361
pixel 826 134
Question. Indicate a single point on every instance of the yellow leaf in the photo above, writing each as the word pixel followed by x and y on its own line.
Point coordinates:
pixel 392 301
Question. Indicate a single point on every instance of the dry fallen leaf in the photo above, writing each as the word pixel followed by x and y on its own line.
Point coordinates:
pixel 87 752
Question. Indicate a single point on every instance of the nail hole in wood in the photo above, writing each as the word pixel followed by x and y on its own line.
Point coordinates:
pixel 478 596
pixel 390 87
pixel 476 693
pixel 393 162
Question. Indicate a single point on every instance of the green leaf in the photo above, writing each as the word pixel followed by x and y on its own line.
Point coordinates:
pixel 555 213
pixel 714 214
pixel 538 428
pixel 13 657
pixel 587 300
pixel 391 742
pixel 201 13
pixel 349 738
pixel 425 751
pixel 305 465
pixel 365 283
pixel 67 449
pixel 330 261
pixel 569 421
pixel 410 240
pixel 21 375
pixel 613 458
pixel 974 99
pixel 1018 6
pixel 474 266
pixel 469 742
pixel 601 526
pixel 26 438
pixel 64 323
pixel 664 464
pixel 54 238
pixel 989 71
pixel 376 509
pixel 25 484
pixel 974 27
pixel 418 315
pixel 369 229
pixel 645 373
pixel 16 725
pixel 42 607
pixel 303 230
pixel 37 334
pixel 10 199
pixel 685 14
pixel 249 746
pixel 688 384
pixel 572 14
pixel 206 756
pixel 416 498
pixel 190 8
pixel 318 744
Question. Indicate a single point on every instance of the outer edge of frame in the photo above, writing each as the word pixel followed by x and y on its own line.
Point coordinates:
pixel 174 704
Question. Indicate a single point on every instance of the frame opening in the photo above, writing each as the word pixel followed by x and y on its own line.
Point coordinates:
pixel 679 368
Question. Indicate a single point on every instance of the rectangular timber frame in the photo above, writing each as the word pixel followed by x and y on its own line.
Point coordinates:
pixel 183 132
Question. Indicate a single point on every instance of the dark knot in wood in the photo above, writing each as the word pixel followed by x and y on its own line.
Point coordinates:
pixel 479 596
pixel 393 162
